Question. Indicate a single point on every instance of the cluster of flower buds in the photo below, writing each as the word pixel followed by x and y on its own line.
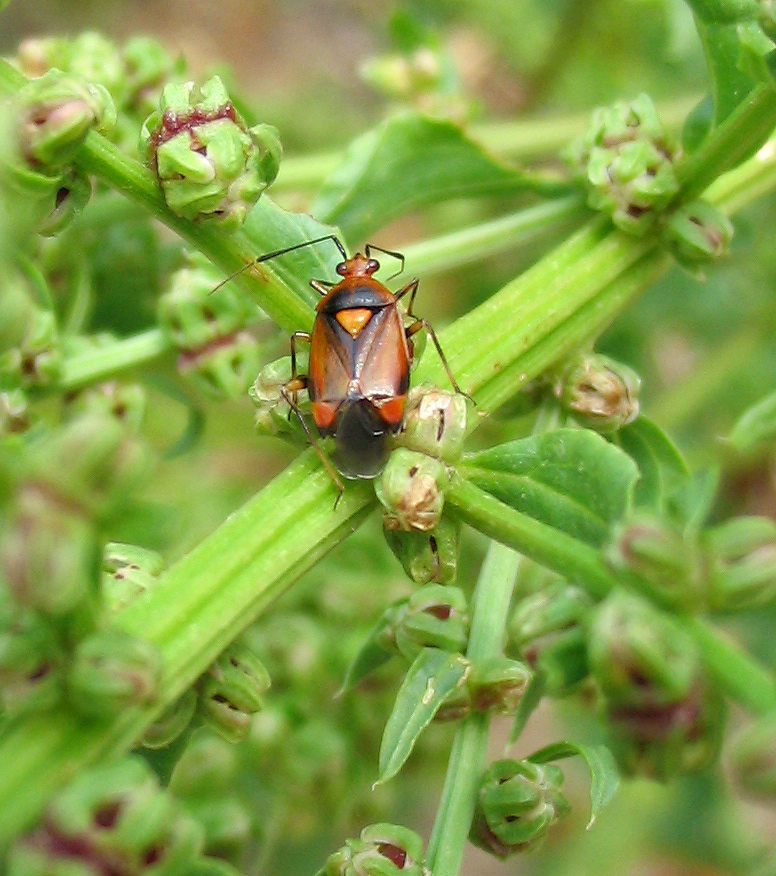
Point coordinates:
pixel 218 350
pixel 625 162
pixel 133 74
pixel 411 487
pixel 728 567
pixel 113 819
pixel 548 628
pixel 380 850
pixel 210 164
pixel 598 392
pixel 696 233
pixel 517 804
pixel 663 718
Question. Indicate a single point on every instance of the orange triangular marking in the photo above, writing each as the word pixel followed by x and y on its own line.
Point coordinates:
pixel 354 319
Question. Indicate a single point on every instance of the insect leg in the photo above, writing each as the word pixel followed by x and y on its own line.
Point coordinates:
pixel 413 329
pixel 295 337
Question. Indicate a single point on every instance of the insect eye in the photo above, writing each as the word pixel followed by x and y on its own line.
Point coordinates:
pixel 372 265
pixel 342 268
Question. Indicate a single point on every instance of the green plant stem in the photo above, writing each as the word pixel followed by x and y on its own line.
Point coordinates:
pixel 490 605
pixel 739 675
pixel 97 363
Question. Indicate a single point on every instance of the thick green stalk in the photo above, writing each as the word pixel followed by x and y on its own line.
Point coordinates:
pixel 490 606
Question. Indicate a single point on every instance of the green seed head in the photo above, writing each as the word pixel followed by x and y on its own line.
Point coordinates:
pixel 599 392
pixel 435 423
pixel 411 489
pixel 127 571
pixel 696 233
pixel 518 802
pixel 742 567
pixel 433 617
pixel 381 850
pixel 428 557
pixel 498 685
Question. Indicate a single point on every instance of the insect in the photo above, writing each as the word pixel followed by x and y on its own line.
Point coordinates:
pixel 360 357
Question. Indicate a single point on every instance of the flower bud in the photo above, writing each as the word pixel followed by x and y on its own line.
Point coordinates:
pixel 31 660
pixel 666 561
pixel 90 464
pixel 497 685
pixel 110 671
pixel 625 161
pixel 428 557
pixel 147 65
pixel 124 401
pixel 71 196
pixel 58 111
pixel 49 556
pixel 411 489
pixel 127 571
pixel 433 617
pixel 209 163
pixel 599 392
pixel 435 423
pixel 697 232
pixel 118 818
pixel 171 723
pixel 37 361
pixel 742 571
pixel 548 629
pixel 272 412
pixel 518 802
pixel 232 690
pixel 753 760
pixel 663 719
pixel 381 850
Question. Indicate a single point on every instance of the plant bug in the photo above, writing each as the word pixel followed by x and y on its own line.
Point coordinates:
pixel 360 357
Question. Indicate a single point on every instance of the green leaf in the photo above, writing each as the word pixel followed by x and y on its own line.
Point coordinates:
pixel 277 228
pixel 756 426
pixel 660 464
pixel 407 162
pixel 370 656
pixel 691 502
pixel 433 675
pixel 531 699
pixel 604 778
pixel 572 479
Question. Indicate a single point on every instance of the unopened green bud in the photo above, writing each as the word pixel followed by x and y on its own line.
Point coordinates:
pixel 599 392
pixel 91 463
pixel 37 361
pixel 433 617
pixel 435 423
pixel 58 111
pixel 742 563
pixel 548 629
pixel 71 196
pixel 124 401
pixel 193 316
pixel 406 76
pixel 498 685
pixel 119 813
pixel 110 671
pixel 14 412
pixel 209 163
pixel 666 561
pixel 168 726
pixel 625 161
pixel 517 804
pixel 640 656
pixel 272 412
pixel 381 850
pixel 31 661
pixel 232 690
pixel 206 768
pixel 753 760
pixel 411 489
pixel 456 706
pixel 127 571
pixel 697 232
pixel 50 556
pixel 428 557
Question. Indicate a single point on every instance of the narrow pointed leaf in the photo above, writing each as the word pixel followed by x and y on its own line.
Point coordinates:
pixel 531 699
pixel 756 426
pixel 433 675
pixel 571 479
pixel 409 161
pixel 604 778
pixel 369 658
pixel 660 464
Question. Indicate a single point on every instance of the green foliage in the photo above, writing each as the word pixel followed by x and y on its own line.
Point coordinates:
pixel 155 576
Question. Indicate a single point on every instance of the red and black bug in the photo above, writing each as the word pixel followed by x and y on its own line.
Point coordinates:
pixel 360 357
